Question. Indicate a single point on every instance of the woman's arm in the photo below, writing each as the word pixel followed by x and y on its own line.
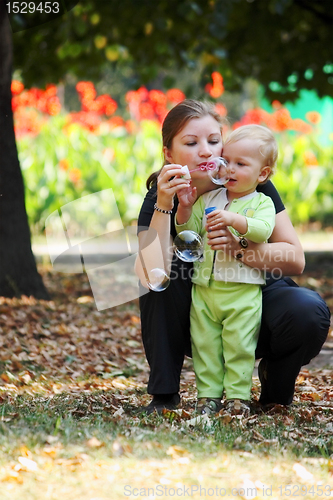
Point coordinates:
pixel 283 251
pixel 155 247
pixel 155 243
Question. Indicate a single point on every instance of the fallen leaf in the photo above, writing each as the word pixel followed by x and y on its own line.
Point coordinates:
pixel 247 490
pixel 85 299
pixel 27 464
pixel 94 443
pixel 177 451
pixel 12 476
pixel 302 473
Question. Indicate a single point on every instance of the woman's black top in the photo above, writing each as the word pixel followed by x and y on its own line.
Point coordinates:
pixel 147 208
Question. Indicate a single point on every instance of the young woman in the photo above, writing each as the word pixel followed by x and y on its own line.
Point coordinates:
pixel 295 320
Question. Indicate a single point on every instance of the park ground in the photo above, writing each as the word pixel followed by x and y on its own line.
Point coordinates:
pixel 72 377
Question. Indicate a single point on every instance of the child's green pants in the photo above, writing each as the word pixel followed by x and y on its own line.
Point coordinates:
pixel 225 322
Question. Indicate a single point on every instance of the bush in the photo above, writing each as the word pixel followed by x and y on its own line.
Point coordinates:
pixel 65 156
pixel 61 165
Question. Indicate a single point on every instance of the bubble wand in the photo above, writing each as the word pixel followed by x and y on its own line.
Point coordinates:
pixel 215 167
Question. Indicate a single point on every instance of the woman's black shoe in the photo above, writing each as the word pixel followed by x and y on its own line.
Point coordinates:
pixel 161 402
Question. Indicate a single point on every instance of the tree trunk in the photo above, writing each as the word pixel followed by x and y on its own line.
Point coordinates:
pixel 18 271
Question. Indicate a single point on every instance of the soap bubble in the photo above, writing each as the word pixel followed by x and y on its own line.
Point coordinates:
pixel 157 280
pixel 188 246
pixel 217 169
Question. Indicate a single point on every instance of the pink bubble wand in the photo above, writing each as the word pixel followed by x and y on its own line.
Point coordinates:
pixel 214 167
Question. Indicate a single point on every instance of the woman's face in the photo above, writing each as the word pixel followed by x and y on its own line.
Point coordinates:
pixel 196 143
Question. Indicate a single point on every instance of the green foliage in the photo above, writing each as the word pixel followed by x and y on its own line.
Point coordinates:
pixel 64 163
pixel 284 44
pixel 304 178
pixel 77 163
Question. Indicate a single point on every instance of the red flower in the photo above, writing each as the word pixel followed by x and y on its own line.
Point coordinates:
pixel 175 95
pixel 276 104
pixel 301 126
pixel 74 175
pixel 161 112
pixel 217 89
pixel 86 90
pixel 158 97
pixel 131 126
pixel 110 106
pixel 310 159
pixel 45 101
pixel 254 115
pixel 64 164
pixel 16 87
pixel 137 95
pixel 102 105
pixel 221 109
pixel 146 111
pixel 88 120
pixel 116 121
pixel 26 122
pixel 53 106
pixel 51 90
pixel 313 117
pixel 237 125
pixel 282 120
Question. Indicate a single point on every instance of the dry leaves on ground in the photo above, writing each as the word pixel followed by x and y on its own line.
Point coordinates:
pixel 67 339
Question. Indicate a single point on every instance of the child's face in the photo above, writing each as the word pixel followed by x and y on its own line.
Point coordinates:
pixel 246 166
pixel 199 141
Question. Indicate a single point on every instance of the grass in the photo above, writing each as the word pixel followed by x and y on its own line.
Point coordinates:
pixel 71 380
pixel 76 444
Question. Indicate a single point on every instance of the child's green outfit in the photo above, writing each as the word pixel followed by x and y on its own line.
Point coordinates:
pixel 226 300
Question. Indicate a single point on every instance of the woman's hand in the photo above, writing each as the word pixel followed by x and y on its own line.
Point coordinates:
pixel 283 253
pixel 169 182
pixel 223 239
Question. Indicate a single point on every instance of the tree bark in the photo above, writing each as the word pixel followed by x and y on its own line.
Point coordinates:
pixel 18 270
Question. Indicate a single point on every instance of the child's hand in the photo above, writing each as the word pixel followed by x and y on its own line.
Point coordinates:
pixel 222 218
pixel 218 219
pixel 187 196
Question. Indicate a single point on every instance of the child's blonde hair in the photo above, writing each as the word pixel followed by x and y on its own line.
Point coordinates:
pixel 268 146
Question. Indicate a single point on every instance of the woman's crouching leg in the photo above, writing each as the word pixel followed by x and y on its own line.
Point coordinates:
pixel 295 325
